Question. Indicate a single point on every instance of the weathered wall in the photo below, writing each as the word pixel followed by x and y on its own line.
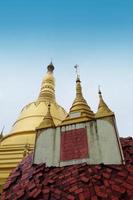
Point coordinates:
pixel 44 147
pixel 109 145
pixel 61 147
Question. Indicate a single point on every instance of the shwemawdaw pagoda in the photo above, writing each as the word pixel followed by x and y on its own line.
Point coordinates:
pixel 54 155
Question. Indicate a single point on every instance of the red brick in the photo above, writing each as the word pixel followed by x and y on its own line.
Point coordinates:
pixel 37 193
pixel 92 190
pixel 19 193
pixel 97 177
pixel 31 185
pixel 70 197
pixel 106 175
pixel 84 179
pixel 106 183
pixel 130 180
pixel 79 190
pixel 16 187
pixel 130 169
pixel 50 181
pixel 74 144
pixel 127 186
pixel 100 191
pixel 45 191
pixel 73 188
pixel 130 193
pixel 114 198
pixel 15 174
pixel 94 198
pixel 124 174
pixel 118 179
pixel 57 191
pixel 118 188
pixel 81 196
pixel 108 170
pixel 33 192
pixel 8 183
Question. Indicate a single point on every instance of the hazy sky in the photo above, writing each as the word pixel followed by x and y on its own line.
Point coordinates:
pixel 95 34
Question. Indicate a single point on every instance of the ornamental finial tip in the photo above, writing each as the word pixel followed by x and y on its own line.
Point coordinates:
pixel 99 90
pixel 77 72
pixel 50 67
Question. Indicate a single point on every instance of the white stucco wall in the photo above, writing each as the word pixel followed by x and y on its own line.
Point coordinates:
pixel 93 143
pixel 109 145
pixel 44 150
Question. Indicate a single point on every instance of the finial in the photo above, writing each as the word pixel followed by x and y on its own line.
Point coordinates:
pixel 99 90
pixel 77 72
pixel 50 67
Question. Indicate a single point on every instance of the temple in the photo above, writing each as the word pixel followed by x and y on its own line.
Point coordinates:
pixel 82 137
pixel 77 155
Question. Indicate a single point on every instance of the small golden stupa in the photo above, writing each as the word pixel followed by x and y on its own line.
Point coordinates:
pixel 80 111
pixel 103 109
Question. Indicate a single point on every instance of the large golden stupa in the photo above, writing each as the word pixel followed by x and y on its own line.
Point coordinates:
pixel 21 139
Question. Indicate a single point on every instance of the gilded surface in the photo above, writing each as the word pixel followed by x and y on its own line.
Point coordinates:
pixel 32 114
pixel 47 121
pixel 21 139
pixel 79 107
pixel 103 109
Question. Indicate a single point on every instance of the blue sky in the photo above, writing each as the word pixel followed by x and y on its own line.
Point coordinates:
pixel 96 34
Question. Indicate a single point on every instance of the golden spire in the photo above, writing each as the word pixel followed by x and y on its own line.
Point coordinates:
pixel 80 104
pixel 47 121
pixel 47 92
pixel 80 111
pixel 103 109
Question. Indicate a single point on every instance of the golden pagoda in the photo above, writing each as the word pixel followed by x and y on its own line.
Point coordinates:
pixel 80 111
pixel 47 122
pixel 20 141
pixel 103 109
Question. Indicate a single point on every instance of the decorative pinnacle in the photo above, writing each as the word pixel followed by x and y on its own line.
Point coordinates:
pixel 103 109
pixel 47 120
pixel 50 67
pixel 77 72
pixel 99 91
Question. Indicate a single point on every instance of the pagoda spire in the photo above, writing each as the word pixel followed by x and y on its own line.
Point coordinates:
pixel 80 104
pixel 50 67
pixel 47 121
pixel 103 109
pixel 79 110
pixel 47 92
